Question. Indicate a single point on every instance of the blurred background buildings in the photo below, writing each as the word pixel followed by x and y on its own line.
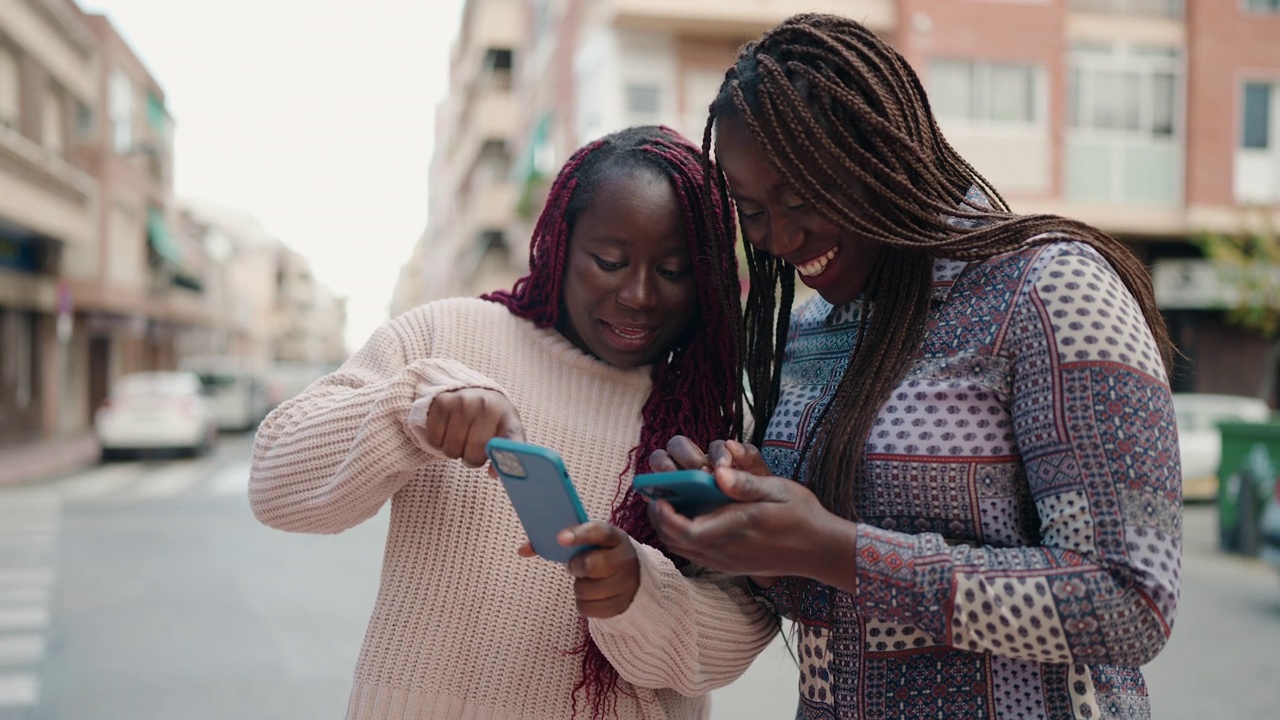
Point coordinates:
pixel 1157 120
pixel 102 270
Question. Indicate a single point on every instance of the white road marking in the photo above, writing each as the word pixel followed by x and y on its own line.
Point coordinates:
pixel 100 481
pixel 25 594
pixel 170 480
pixel 232 479
pixel 27 648
pixel 23 617
pixel 18 689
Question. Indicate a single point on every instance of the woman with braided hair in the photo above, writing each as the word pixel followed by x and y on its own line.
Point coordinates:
pixel 986 518
pixel 618 338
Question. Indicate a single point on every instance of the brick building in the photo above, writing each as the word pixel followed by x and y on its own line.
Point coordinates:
pixel 1157 120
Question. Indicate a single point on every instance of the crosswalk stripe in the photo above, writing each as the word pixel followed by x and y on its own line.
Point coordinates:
pixel 25 576
pixel 23 617
pixel 24 594
pixel 26 648
pixel 170 480
pixel 98 482
pixel 231 480
pixel 18 689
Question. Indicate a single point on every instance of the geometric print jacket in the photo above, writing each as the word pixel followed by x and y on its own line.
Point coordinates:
pixel 1019 548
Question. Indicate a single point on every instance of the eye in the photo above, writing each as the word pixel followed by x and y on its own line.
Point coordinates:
pixel 797 206
pixel 674 273
pixel 608 265
pixel 746 216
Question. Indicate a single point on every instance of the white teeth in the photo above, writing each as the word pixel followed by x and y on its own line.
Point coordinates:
pixel 629 333
pixel 815 266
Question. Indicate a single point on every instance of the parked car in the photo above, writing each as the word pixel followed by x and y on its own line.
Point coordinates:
pixel 1199 440
pixel 1271 529
pixel 156 411
pixel 237 389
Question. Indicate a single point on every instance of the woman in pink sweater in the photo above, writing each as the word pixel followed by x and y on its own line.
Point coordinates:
pixel 623 334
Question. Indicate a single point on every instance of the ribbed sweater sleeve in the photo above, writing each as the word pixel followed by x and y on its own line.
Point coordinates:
pixel 692 634
pixel 330 457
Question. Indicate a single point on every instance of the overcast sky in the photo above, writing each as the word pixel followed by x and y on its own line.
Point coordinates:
pixel 314 115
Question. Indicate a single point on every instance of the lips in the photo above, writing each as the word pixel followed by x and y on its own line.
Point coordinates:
pixel 629 337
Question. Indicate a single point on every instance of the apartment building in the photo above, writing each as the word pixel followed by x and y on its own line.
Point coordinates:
pixel 266 305
pixel 1153 119
pixel 472 199
pixel 48 71
pixel 142 289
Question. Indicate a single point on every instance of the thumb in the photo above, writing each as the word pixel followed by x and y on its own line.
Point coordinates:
pixel 745 487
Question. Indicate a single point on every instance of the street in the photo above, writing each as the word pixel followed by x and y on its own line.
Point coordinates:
pixel 145 589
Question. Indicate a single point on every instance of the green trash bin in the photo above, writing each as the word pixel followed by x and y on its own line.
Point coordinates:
pixel 1246 478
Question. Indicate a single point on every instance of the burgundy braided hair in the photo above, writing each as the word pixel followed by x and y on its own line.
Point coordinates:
pixel 697 387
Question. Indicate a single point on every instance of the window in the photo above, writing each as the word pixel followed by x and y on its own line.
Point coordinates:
pixel 1257 159
pixel 498 64
pixel 1255 135
pixel 984 91
pixel 51 123
pixel 84 121
pixel 1262 5
pixel 10 91
pixel 1124 124
pixel 643 99
pixel 1124 90
pixel 121 107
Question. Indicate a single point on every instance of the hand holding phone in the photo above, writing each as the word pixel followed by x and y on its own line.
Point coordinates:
pixel 541 493
pixel 690 492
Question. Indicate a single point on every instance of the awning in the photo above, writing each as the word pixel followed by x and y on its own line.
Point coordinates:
pixel 161 241
pixel 157 116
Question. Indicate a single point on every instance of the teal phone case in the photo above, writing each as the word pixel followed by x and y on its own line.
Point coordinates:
pixel 541 493
pixel 690 492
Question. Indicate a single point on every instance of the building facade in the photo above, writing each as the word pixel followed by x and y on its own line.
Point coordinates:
pixel 48 203
pixel 1157 120
pixel 102 273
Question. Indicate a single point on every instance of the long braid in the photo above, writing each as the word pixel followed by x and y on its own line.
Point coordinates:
pixel 697 387
pixel 830 103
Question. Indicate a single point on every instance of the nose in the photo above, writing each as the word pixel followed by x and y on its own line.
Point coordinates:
pixel 785 235
pixel 639 290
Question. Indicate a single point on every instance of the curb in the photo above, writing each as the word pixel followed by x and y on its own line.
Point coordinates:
pixel 47 459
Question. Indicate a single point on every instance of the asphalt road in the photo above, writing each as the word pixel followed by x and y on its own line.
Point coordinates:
pixel 146 590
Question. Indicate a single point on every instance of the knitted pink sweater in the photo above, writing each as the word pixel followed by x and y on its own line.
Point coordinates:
pixel 463 627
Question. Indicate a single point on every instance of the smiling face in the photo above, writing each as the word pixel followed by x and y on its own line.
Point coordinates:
pixel 629 288
pixel 774 218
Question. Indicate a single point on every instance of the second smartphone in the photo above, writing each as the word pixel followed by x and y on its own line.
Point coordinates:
pixel 690 492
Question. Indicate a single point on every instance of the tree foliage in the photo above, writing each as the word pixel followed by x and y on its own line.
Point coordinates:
pixel 1248 264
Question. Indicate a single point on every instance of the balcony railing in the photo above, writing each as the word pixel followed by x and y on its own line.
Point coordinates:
pixel 1149 8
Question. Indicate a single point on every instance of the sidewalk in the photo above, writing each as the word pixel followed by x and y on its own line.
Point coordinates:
pixel 46 459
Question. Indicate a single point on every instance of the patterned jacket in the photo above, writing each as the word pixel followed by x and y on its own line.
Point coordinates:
pixel 1020 496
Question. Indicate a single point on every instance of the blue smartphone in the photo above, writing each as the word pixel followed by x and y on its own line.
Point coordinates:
pixel 690 492
pixel 541 493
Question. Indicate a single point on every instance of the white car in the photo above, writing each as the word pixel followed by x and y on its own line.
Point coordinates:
pixel 156 411
pixel 1199 440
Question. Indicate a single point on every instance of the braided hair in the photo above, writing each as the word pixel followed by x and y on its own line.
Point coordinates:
pixel 697 387
pixel 828 102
